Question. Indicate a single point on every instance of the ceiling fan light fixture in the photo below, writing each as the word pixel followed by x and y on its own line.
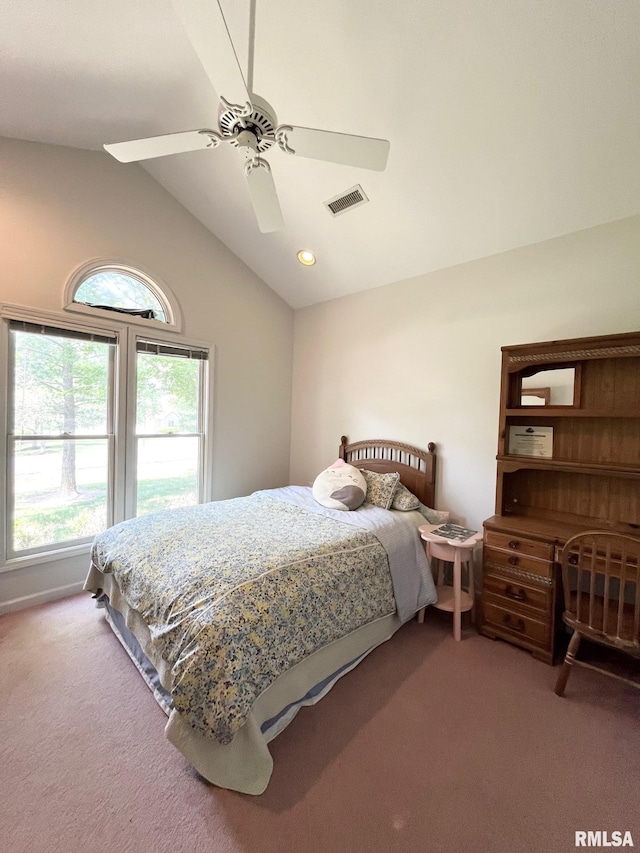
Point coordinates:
pixel 247 121
pixel 306 257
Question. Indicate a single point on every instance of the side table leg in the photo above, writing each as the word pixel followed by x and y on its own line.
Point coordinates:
pixel 457 586
pixel 472 588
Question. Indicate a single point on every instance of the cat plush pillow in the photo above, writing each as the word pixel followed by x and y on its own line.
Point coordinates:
pixel 340 486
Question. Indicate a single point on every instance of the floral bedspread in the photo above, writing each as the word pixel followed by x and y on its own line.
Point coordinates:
pixel 235 593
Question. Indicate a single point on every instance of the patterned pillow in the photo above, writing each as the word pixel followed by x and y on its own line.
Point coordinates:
pixel 404 500
pixel 340 486
pixel 380 488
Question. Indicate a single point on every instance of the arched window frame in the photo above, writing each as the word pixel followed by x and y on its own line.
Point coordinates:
pixel 159 289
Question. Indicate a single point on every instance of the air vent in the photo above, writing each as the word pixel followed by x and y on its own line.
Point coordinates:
pixel 346 200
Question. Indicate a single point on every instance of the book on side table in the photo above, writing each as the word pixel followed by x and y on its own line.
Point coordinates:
pixel 453 532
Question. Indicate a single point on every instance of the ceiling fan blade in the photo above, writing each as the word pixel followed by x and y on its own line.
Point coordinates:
pixel 264 196
pixel 207 30
pixel 363 151
pixel 159 146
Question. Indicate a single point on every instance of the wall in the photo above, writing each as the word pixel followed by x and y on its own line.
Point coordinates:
pixel 60 207
pixel 419 360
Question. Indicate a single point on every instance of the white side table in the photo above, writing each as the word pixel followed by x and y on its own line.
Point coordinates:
pixel 454 599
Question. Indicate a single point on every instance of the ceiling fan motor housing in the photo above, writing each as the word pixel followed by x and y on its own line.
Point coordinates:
pixel 261 123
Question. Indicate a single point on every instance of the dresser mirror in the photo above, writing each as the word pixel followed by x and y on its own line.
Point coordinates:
pixel 554 386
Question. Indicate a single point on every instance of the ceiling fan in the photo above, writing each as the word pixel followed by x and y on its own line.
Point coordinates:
pixel 247 121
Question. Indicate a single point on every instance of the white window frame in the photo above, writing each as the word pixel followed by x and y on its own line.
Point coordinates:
pixel 159 289
pixel 124 471
pixel 206 408
pixel 108 436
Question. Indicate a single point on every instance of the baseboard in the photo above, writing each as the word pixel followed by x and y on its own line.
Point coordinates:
pixel 40 597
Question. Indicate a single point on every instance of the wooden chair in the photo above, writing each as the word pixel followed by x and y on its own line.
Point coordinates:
pixel 601 582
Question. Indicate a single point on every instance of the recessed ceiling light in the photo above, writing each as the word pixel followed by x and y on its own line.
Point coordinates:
pixel 306 257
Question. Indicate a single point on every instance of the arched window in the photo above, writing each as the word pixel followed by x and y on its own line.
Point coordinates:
pixel 113 286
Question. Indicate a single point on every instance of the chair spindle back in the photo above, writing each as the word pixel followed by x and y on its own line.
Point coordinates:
pixel 601 582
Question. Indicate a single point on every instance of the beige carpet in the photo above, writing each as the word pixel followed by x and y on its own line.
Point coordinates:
pixel 428 745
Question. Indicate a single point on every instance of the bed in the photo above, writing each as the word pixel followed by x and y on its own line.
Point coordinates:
pixel 238 613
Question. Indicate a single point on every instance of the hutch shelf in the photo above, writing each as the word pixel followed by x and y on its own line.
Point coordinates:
pixel 568 461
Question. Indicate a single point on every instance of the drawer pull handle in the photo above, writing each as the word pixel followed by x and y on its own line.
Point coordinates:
pixel 514 544
pixel 513 561
pixel 517 596
pixel 518 625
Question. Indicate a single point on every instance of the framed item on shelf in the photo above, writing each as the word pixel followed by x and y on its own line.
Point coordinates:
pixel 531 441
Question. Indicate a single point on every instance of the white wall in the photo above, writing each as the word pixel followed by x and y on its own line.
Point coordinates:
pixel 419 360
pixel 60 207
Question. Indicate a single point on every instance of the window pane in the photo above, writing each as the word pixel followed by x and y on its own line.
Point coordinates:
pixel 60 491
pixel 168 394
pixel 118 290
pixel 60 385
pixel 167 473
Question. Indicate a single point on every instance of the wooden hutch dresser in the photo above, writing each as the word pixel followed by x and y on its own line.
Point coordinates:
pixel 568 461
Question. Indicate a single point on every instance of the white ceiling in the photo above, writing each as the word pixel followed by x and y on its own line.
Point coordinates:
pixel 510 121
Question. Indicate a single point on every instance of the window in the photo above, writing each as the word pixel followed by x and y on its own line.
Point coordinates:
pixel 120 292
pixel 169 425
pixel 60 435
pixel 101 425
pixel 104 286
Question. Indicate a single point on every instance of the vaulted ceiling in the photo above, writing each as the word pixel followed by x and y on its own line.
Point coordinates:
pixel 510 121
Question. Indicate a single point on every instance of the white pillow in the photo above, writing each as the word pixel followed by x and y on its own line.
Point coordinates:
pixel 340 486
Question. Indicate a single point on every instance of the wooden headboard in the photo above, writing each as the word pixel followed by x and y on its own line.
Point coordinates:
pixel 417 469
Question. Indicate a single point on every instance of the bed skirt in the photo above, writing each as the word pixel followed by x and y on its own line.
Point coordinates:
pixel 245 764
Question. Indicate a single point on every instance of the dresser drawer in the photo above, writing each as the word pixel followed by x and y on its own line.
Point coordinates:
pixel 517 595
pixel 518 545
pixel 516 625
pixel 495 559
